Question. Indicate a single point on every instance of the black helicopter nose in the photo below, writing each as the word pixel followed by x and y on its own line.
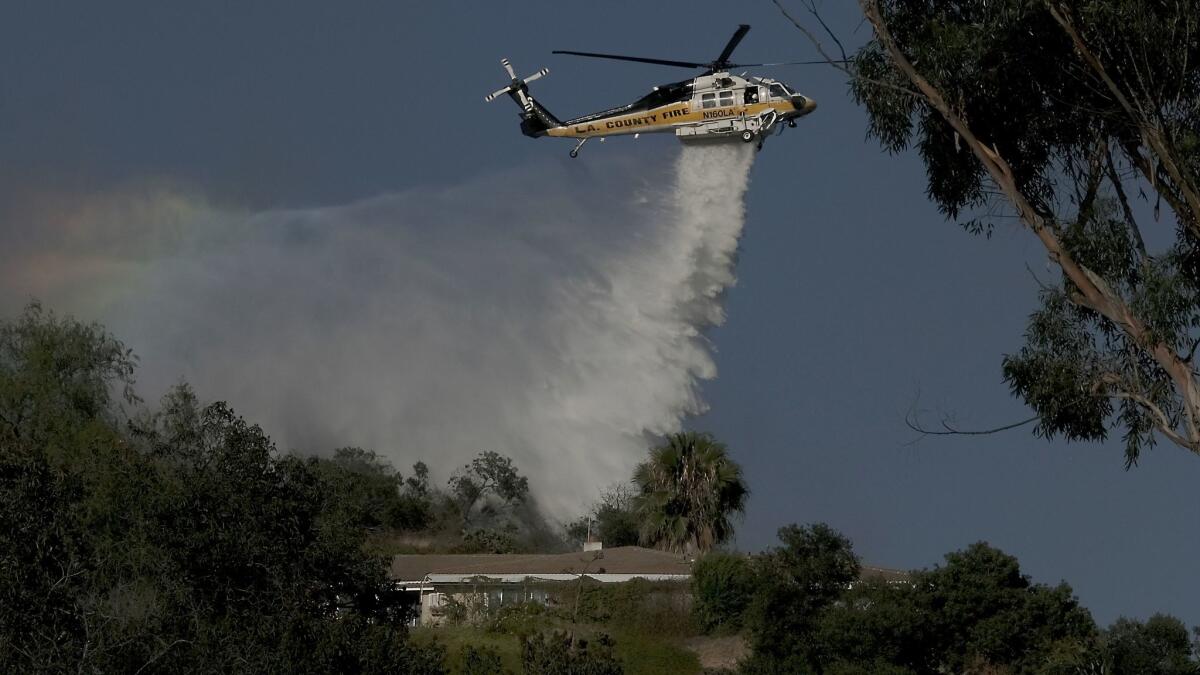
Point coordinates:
pixel 803 105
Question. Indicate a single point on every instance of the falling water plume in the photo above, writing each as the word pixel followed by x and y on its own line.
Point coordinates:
pixel 554 313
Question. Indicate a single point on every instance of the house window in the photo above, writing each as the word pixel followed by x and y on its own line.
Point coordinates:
pixel 708 101
pixel 726 98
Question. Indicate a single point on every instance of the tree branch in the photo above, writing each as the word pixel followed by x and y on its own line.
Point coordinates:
pixel 839 65
pixel 1163 422
pixel 1115 179
pixel 812 9
pixel 1163 187
pixel 1094 178
pixel 1152 132
pixel 159 655
pixel 912 423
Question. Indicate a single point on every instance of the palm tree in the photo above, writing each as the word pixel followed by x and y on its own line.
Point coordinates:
pixel 688 491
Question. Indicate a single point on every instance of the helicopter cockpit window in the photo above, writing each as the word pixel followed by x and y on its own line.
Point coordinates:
pixel 778 91
pixel 708 101
pixel 726 98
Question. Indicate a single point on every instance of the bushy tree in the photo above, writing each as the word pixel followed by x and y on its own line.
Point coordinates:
pixel 418 483
pixel 1160 646
pixel 612 520
pixel 797 581
pixel 375 493
pixel 616 516
pixel 181 542
pixel 490 482
pixel 688 493
pixel 46 565
pixel 975 614
pixel 876 627
pixel 983 608
pixel 60 379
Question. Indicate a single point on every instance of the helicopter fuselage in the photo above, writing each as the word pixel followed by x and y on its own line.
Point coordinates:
pixel 713 106
pixel 705 107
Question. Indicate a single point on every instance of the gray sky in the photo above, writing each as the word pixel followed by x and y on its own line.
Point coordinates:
pixel 853 296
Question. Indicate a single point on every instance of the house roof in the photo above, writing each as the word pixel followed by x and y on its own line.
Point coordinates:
pixel 626 560
pixel 884 574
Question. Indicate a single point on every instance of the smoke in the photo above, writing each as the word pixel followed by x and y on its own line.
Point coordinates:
pixel 555 313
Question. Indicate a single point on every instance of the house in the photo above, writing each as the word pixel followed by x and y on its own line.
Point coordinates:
pixel 453 586
pixel 469 583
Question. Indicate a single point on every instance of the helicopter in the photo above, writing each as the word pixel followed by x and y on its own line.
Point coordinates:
pixel 715 105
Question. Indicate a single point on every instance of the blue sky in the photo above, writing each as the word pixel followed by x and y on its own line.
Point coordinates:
pixel 854 297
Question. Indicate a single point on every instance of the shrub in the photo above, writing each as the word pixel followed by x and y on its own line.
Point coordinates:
pixel 557 654
pixel 480 661
pixel 468 608
pixel 523 619
pixel 487 541
pixel 722 588
pixel 661 606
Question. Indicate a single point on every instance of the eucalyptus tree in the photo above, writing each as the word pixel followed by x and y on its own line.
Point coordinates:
pixel 688 492
pixel 1081 120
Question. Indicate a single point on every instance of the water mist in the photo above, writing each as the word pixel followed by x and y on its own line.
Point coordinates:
pixel 554 313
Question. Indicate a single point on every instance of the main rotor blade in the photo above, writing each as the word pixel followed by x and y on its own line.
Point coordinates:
pixel 540 73
pixel 733 66
pixel 637 59
pixel 733 43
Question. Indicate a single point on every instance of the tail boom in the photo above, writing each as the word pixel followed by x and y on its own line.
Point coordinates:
pixel 537 121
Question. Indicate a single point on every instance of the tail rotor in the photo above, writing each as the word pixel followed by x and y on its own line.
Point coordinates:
pixel 517 87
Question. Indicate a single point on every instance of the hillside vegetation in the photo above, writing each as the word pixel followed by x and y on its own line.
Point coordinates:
pixel 179 539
